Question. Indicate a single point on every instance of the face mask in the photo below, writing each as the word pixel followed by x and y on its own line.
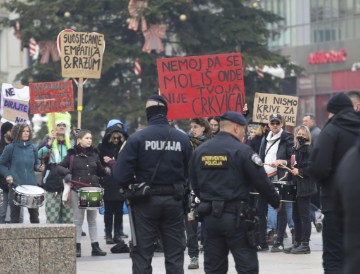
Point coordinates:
pixel 301 140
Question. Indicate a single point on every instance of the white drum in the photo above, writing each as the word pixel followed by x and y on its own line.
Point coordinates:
pixel 29 196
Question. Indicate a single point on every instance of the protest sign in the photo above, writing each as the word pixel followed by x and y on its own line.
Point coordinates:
pixel 202 86
pixel 14 103
pixel 81 54
pixel 15 111
pixel 266 104
pixel 51 97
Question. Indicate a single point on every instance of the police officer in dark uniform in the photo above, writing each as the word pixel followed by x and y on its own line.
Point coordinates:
pixel 222 173
pixel 157 155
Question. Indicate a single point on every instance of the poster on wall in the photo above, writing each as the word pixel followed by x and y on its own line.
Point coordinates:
pixel 202 86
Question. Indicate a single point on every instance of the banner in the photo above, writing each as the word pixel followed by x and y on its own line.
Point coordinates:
pixel 81 54
pixel 266 104
pixel 51 97
pixel 202 86
pixel 14 103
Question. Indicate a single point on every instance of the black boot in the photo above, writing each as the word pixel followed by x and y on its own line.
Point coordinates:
pixel 303 248
pixel 109 239
pixel 96 251
pixel 78 250
pixel 289 249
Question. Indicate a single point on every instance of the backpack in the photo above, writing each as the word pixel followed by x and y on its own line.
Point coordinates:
pixel 52 181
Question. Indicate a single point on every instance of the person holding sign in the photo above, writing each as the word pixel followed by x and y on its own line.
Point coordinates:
pixel 52 153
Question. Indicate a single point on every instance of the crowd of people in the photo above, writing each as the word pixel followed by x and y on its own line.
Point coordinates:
pixel 226 184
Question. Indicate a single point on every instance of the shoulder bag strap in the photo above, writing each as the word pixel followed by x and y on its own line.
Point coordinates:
pixel 266 152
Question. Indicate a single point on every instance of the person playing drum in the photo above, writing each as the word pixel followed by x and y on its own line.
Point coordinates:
pixel 81 168
pixel 306 187
pixel 18 164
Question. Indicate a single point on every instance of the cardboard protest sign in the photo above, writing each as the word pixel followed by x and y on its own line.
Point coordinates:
pixel 16 111
pixel 51 97
pixel 266 104
pixel 8 91
pixel 14 103
pixel 81 54
pixel 202 86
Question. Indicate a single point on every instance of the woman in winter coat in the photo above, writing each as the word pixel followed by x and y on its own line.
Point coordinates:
pixel 306 187
pixel 113 200
pixel 21 158
pixel 81 167
pixel 200 132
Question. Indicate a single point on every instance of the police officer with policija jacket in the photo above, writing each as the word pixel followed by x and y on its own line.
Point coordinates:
pixel 158 156
pixel 222 172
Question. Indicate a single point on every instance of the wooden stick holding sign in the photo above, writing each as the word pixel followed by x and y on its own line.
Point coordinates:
pixel 80 101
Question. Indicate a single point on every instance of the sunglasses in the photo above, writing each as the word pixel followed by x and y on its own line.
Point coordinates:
pixel 117 138
pixel 275 123
pixel 61 125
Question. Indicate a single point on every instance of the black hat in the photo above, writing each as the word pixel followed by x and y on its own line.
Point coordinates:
pixel 234 117
pixel 157 98
pixel 339 102
pixel 275 117
pixel 5 127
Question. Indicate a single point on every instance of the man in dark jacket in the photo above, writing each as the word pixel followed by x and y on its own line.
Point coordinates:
pixel 347 193
pixel 158 156
pixel 275 152
pixel 5 140
pixel 336 138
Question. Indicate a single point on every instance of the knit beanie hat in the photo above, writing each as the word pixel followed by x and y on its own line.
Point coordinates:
pixel 5 127
pixel 339 102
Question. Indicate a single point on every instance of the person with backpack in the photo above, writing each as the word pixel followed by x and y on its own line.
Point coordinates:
pixel 18 164
pixel 52 153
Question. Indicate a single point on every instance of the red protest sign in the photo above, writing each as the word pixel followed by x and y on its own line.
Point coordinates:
pixel 202 86
pixel 51 97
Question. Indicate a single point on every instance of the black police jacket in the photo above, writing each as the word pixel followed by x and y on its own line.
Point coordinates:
pixel 143 149
pixel 222 169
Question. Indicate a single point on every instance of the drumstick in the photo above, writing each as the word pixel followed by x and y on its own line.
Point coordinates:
pixel 285 167
pixel 24 187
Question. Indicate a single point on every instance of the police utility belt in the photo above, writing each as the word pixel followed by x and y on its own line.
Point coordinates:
pixel 143 191
pixel 217 208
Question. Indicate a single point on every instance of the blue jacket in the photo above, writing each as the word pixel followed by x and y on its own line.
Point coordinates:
pixel 143 149
pixel 22 159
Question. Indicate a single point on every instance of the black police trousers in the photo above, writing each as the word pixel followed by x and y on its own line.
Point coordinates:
pixel 220 237
pixel 159 215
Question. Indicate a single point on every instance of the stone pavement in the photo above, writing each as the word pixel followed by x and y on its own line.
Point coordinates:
pixel 270 263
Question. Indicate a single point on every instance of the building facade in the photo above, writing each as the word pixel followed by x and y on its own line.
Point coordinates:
pixel 13 58
pixel 322 37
